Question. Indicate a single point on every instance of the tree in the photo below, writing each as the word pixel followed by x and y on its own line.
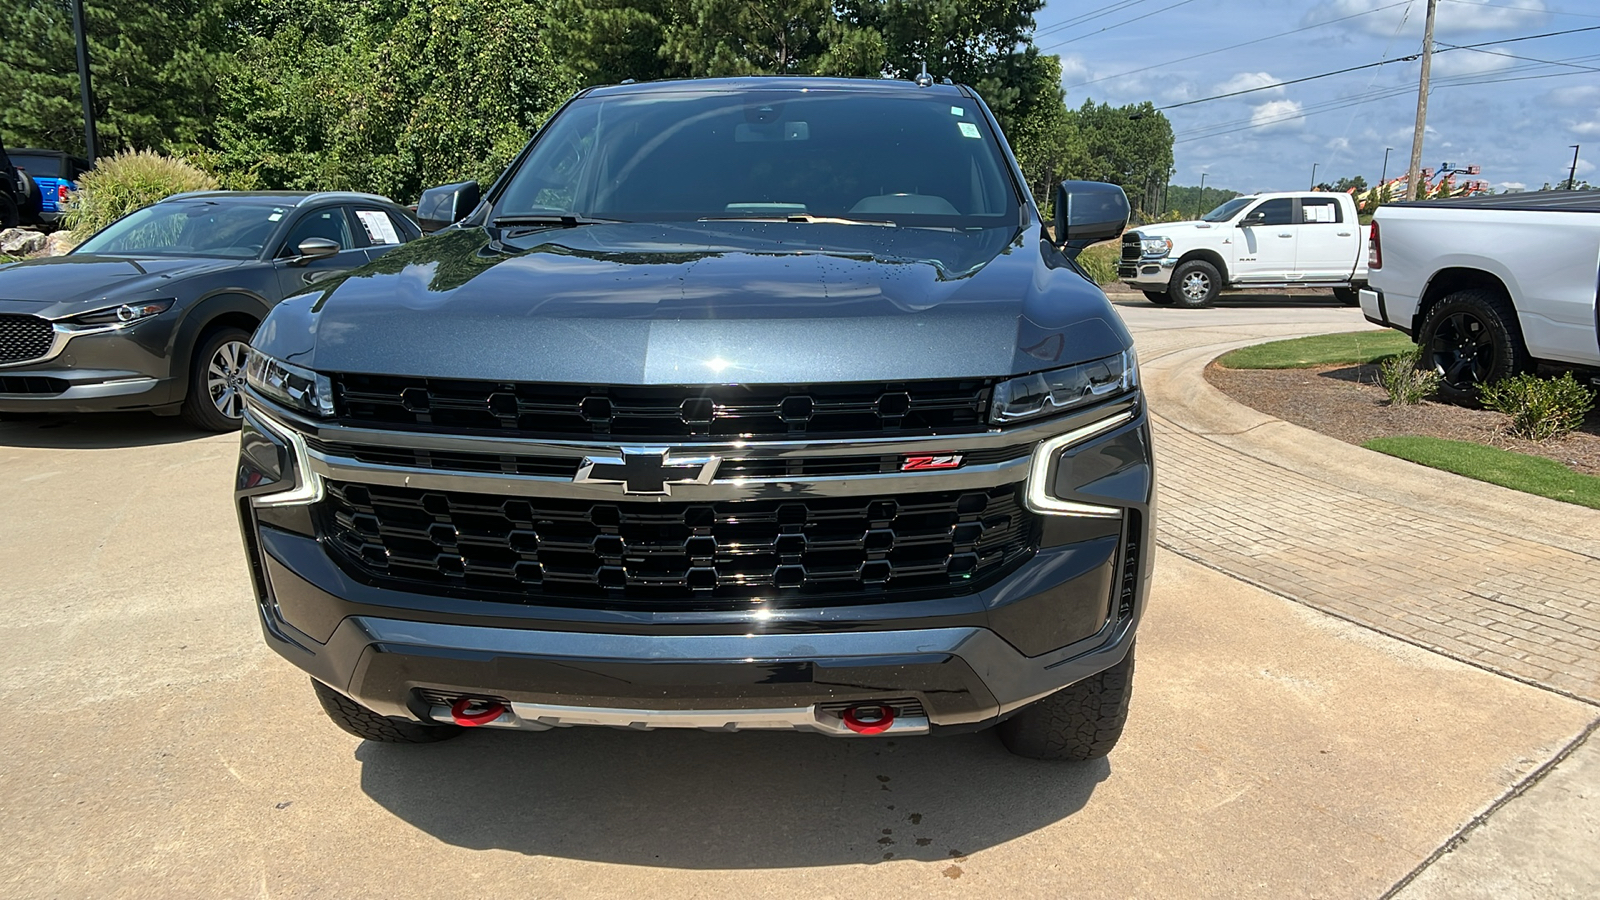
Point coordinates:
pixel 1127 145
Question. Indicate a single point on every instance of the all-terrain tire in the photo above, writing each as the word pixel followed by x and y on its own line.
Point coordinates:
pixel 199 405
pixel 364 723
pixel 1471 338
pixel 1347 296
pixel 10 216
pixel 1159 298
pixel 1195 284
pixel 1080 722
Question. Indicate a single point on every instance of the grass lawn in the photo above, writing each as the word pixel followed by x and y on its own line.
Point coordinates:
pixel 1351 348
pixel 1518 471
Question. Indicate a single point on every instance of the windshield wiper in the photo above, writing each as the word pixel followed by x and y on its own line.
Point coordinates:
pixel 558 220
pixel 801 218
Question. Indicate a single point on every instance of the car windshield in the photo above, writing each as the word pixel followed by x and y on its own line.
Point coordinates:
pixel 1227 210
pixel 38 165
pixel 190 228
pixel 790 155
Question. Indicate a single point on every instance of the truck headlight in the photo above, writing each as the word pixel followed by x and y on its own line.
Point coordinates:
pixel 1155 247
pixel 302 390
pixel 1042 394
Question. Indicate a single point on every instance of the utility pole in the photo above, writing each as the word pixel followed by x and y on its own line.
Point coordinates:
pixel 1385 174
pixel 1415 173
pixel 1314 175
pixel 1572 174
pixel 83 80
pixel 1200 201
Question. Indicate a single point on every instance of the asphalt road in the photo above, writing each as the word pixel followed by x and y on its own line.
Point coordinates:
pixel 155 748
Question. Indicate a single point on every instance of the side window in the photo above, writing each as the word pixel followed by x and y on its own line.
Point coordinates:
pixel 406 228
pixel 1272 212
pixel 329 223
pixel 377 228
pixel 1319 211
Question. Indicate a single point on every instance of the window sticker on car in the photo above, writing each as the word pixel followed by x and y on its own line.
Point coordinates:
pixel 957 111
pixel 275 216
pixel 968 129
pixel 380 229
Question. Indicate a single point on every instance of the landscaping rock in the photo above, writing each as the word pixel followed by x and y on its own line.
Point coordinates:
pixel 59 243
pixel 21 241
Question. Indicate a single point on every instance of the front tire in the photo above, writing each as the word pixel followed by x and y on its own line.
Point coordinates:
pixel 368 725
pixel 1159 298
pixel 1471 338
pixel 215 401
pixel 1195 284
pixel 10 216
pixel 1079 722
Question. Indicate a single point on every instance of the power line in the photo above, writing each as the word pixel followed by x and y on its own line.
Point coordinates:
pixel 1091 14
pixel 1524 58
pixel 1527 9
pixel 1117 25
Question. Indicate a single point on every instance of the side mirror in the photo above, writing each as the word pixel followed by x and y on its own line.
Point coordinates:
pixel 448 204
pixel 1251 220
pixel 1088 212
pixel 314 248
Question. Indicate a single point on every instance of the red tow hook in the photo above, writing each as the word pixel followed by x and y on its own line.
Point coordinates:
pixel 868 719
pixel 461 712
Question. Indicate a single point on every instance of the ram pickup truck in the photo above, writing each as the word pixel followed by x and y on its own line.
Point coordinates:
pixel 1490 286
pixel 1308 239
pixel 754 403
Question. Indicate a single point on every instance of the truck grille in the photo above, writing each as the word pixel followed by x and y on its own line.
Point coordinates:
pixel 667 412
pixel 680 556
pixel 1132 247
pixel 24 337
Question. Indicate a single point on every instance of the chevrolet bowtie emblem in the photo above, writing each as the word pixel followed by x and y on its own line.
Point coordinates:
pixel 646 470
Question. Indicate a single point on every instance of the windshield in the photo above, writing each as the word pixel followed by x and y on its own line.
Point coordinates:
pixel 1227 210
pixel 37 165
pixel 190 228
pixel 781 154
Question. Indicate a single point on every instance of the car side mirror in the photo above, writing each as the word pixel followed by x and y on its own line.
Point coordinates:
pixel 314 248
pixel 443 206
pixel 1250 220
pixel 1088 212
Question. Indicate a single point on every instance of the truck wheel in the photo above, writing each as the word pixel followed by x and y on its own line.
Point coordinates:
pixel 216 377
pixel 1195 284
pixel 364 723
pixel 1471 338
pixel 1159 298
pixel 1079 722
pixel 1347 296
pixel 9 216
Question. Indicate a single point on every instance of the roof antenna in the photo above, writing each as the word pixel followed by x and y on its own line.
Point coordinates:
pixel 923 78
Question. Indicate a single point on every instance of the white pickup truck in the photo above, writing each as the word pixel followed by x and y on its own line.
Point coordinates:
pixel 1310 239
pixel 1490 286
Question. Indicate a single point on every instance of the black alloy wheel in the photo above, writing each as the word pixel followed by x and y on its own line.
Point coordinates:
pixel 1471 338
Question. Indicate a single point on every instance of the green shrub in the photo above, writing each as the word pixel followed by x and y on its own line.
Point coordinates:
pixel 1540 408
pixel 118 185
pixel 1101 260
pixel 1406 384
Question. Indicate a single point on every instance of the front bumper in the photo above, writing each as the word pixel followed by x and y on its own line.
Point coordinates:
pixel 107 371
pixel 1147 274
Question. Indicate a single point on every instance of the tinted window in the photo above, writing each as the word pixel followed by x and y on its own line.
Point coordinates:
pixel 190 228
pixel 1272 212
pixel 37 165
pixel 1319 210
pixel 322 223
pixel 1227 210
pixel 681 156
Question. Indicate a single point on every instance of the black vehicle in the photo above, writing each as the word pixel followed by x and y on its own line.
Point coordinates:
pixel 19 196
pixel 745 403
pixel 155 311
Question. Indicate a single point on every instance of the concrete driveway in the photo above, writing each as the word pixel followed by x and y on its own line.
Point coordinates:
pixel 156 748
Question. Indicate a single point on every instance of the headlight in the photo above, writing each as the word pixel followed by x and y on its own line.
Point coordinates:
pixel 118 316
pixel 1058 390
pixel 1156 247
pixel 302 390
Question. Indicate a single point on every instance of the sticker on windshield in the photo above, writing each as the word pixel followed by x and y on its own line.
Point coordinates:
pixel 380 229
pixel 275 217
pixel 957 111
pixel 968 129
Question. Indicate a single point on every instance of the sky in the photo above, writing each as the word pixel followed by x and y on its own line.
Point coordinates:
pixel 1515 117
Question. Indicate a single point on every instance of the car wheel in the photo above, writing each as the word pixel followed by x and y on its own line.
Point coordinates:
pixel 216 380
pixel 1079 722
pixel 1471 338
pixel 366 724
pixel 29 201
pixel 9 216
pixel 1347 296
pixel 1195 284
pixel 1159 298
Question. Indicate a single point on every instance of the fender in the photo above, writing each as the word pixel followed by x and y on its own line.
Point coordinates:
pixel 223 302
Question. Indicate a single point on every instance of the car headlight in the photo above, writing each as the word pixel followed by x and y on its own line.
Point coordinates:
pixel 1047 393
pixel 302 390
pixel 118 316
pixel 1156 247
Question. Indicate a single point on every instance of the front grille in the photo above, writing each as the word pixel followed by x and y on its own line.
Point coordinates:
pixel 681 556
pixel 32 384
pixel 703 412
pixel 24 337
pixel 567 466
pixel 1132 247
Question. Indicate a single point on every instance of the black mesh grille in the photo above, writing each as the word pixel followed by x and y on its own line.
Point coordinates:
pixel 1132 247
pixel 23 337
pixel 669 412
pixel 32 384
pixel 679 555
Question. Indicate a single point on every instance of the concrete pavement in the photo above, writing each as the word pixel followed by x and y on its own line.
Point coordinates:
pixel 156 748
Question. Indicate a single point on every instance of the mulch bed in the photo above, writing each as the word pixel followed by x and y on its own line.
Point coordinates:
pixel 1346 402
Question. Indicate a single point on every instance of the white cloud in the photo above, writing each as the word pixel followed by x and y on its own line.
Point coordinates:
pixel 1586 128
pixel 1245 81
pixel 1584 167
pixel 1587 95
pixel 1510 186
pixel 1453 17
pixel 1276 115
pixel 1469 62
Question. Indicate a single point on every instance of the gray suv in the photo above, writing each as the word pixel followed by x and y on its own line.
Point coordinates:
pixel 733 404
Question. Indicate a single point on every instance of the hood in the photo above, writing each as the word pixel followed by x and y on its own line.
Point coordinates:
pixel 64 285
pixel 703 303
pixel 1176 229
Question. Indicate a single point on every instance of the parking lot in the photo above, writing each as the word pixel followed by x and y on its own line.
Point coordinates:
pixel 157 748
